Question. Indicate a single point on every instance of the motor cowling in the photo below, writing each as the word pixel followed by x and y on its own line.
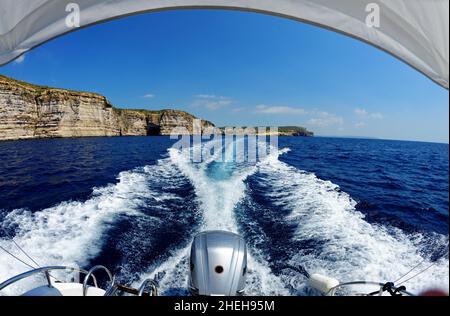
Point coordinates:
pixel 218 264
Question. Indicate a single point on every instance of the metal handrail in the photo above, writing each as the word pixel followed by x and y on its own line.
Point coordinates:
pixel 44 270
pixel 91 273
pixel 381 285
pixel 153 285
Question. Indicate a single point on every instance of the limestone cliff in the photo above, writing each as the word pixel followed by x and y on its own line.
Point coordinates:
pixel 30 111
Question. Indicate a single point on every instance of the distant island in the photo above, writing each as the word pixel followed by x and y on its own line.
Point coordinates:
pixel 29 111
pixel 281 131
pixel 294 131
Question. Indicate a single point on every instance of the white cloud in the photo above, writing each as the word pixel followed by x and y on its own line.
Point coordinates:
pixel 265 109
pixel 363 113
pixel 360 124
pixel 377 116
pixel 207 96
pixel 20 59
pixel 149 96
pixel 325 119
pixel 211 101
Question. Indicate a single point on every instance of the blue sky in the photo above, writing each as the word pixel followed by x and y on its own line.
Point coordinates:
pixel 240 68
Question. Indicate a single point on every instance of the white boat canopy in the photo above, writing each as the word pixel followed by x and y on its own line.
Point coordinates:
pixel 415 31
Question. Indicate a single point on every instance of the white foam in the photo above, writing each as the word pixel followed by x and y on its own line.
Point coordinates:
pixel 217 199
pixel 176 273
pixel 348 247
pixel 71 232
pixel 260 279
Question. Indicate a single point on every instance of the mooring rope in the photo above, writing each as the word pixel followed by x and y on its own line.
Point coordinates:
pixel 24 252
pixel 17 258
pixel 20 249
pixel 412 269
pixel 422 271
pixel 427 268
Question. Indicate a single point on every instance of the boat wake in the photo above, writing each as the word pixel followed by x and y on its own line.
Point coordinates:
pixel 293 222
pixel 219 187
pixel 118 226
pixel 322 232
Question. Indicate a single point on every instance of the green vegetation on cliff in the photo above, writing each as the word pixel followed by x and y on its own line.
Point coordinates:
pixel 33 111
pixel 30 111
pixel 282 131
pixel 294 131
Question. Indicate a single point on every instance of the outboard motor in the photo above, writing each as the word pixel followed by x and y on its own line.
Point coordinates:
pixel 218 264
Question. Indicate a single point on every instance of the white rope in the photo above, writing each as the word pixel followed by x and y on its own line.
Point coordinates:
pixel 28 256
pixel 427 268
pixel 25 253
pixel 17 258
pixel 416 266
pixel 20 249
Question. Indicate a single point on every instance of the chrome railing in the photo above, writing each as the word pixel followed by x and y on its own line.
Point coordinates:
pixel 109 291
pixel 381 286
pixel 112 289
pixel 46 272
pixel 149 283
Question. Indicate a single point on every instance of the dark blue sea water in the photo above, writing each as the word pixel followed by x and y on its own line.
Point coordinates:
pixel 349 208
